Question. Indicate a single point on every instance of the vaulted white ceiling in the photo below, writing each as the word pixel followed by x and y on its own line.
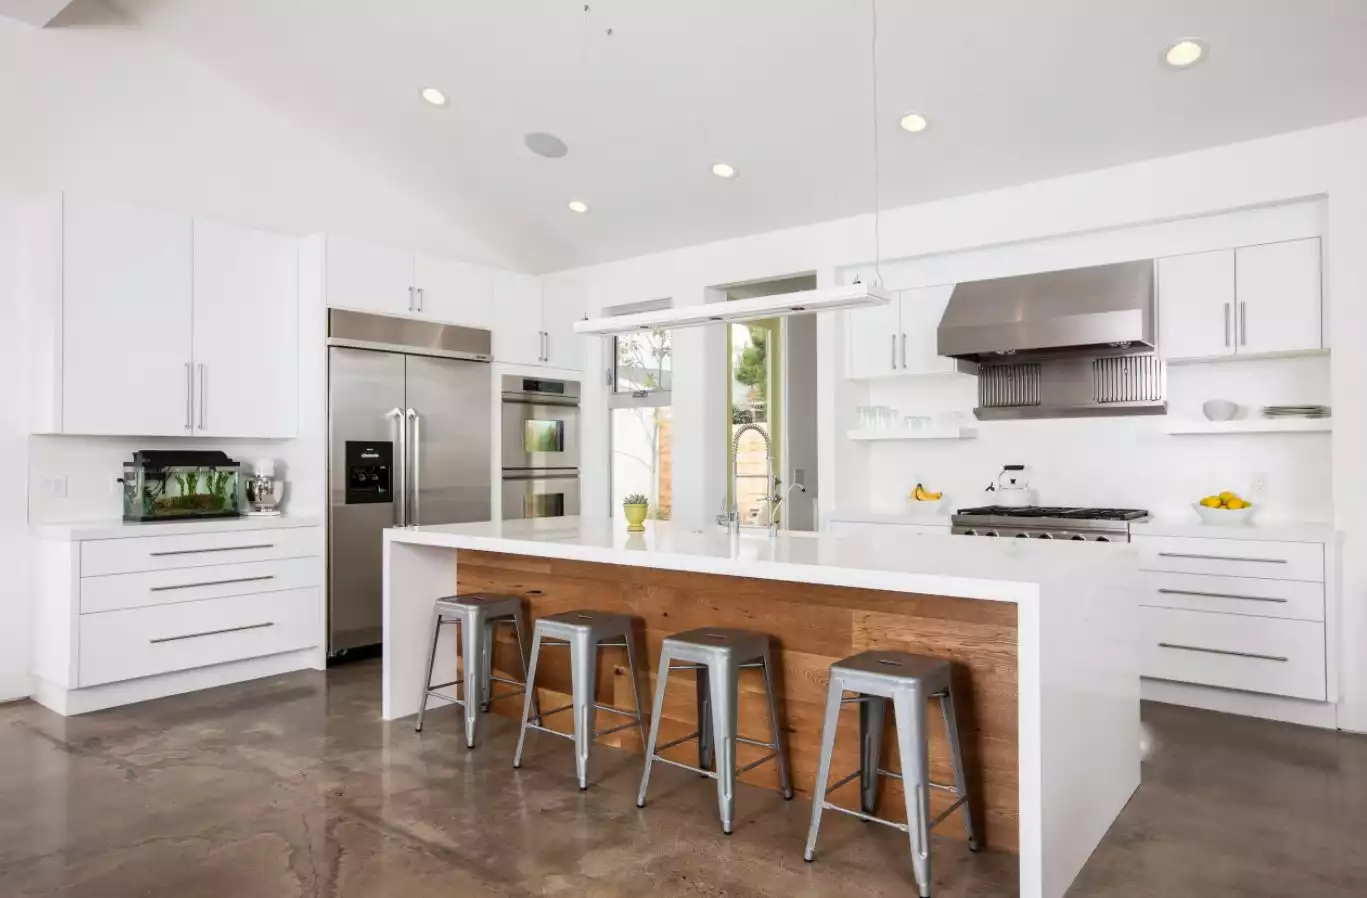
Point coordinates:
pixel 1014 91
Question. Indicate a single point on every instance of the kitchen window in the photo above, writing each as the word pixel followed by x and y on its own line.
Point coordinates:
pixel 640 413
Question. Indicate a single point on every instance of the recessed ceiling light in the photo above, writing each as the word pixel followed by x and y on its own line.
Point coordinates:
pixel 914 122
pixel 579 206
pixel 722 170
pixel 434 96
pixel 1184 53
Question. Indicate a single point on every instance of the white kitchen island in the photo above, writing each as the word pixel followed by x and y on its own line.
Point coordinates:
pixel 1075 717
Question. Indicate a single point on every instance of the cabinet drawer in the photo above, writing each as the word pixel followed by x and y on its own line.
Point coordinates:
pixel 1295 599
pixel 140 642
pixel 159 553
pixel 113 592
pixel 1232 557
pixel 1256 654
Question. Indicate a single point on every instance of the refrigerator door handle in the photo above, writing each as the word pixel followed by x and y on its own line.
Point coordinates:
pixel 415 423
pixel 400 467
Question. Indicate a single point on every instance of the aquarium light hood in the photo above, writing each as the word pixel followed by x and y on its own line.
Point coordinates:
pixel 805 302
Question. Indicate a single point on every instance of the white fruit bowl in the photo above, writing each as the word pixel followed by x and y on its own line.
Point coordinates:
pixel 1224 517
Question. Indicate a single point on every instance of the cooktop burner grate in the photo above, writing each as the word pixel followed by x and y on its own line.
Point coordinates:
pixel 1061 513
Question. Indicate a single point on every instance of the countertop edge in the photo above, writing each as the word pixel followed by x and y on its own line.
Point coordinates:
pixel 81 531
pixel 1287 531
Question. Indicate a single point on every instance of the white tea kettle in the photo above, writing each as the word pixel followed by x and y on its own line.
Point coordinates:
pixel 1012 488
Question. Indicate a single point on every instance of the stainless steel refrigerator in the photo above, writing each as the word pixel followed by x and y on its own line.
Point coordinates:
pixel 409 421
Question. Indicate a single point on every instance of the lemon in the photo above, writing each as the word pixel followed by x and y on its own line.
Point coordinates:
pixel 1236 504
pixel 1211 501
pixel 1226 496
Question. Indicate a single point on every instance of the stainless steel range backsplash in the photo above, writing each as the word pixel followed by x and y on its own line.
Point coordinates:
pixel 1072 387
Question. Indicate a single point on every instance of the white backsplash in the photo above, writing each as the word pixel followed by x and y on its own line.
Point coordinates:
pixel 1119 462
pixel 91 467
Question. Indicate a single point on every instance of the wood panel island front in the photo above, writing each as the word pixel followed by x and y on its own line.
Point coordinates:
pixel 1040 636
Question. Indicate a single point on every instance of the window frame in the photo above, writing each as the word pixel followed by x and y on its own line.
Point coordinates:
pixel 635 398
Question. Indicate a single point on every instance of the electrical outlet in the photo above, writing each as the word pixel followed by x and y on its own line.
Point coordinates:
pixel 55 486
pixel 1259 485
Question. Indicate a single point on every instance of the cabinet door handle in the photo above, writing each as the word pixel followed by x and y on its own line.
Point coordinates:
pixel 420 299
pixel 211 583
pixel 1243 324
pixel 904 350
pixel 203 394
pixel 211 633
pixel 1208 651
pixel 1221 558
pixel 189 397
pixel 412 298
pixel 1226 324
pixel 214 549
pixel 894 350
pixel 1220 595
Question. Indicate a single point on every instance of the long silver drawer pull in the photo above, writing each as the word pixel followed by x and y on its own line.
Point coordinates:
pixel 1197 648
pixel 212 583
pixel 1219 595
pixel 212 632
pixel 1221 558
pixel 215 549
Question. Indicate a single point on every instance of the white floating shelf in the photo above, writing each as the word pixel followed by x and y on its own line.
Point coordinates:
pixel 938 433
pixel 1250 425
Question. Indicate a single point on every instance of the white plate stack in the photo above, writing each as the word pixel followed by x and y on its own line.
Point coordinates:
pixel 1296 411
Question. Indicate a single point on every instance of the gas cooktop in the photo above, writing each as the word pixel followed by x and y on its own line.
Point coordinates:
pixel 1062 513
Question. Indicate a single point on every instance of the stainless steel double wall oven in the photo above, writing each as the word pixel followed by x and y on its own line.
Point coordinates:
pixel 540 437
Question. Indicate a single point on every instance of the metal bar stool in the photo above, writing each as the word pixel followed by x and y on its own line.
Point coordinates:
pixel 907 680
pixel 584 633
pixel 717 656
pixel 475 616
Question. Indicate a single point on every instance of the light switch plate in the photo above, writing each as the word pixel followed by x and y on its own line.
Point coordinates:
pixel 55 486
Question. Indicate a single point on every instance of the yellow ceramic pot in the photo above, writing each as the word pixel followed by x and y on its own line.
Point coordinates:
pixel 636 517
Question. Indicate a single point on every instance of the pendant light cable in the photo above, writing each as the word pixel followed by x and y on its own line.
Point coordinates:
pixel 873 66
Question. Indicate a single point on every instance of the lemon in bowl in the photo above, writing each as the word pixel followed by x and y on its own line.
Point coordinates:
pixel 1224 509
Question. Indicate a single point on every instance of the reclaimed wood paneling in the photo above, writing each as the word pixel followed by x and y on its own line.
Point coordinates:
pixel 813 626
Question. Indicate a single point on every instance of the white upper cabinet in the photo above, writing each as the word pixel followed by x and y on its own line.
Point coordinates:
pixel 921 311
pixel 518 335
pixel 246 350
pixel 453 292
pixel 562 304
pixel 900 337
pixel 1196 305
pixel 125 321
pixel 1249 301
pixel 1278 288
pixel 369 278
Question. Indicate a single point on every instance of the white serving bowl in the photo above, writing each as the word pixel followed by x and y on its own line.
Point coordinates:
pixel 1224 517
pixel 1219 409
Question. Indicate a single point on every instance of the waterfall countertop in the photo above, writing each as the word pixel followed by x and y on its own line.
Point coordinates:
pixel 960 566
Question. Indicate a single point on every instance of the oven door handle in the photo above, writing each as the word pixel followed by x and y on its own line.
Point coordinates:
pixel 538 399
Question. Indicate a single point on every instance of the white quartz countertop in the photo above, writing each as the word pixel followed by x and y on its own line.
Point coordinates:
pixel 1002 570
pixel 72 531
pixel 931 516
pixel 1271 531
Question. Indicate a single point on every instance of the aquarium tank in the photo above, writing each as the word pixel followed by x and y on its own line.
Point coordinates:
pixel 180 484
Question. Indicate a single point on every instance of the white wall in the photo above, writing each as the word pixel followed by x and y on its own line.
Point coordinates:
pixel 1322 162
pixel 96 106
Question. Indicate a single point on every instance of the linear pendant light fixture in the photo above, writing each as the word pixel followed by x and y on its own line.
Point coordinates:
pixel 806 302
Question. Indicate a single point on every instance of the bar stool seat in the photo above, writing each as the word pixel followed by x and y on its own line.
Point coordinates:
pixel 906 680
pixel 475 616
pixel 584 632
pixel 717 655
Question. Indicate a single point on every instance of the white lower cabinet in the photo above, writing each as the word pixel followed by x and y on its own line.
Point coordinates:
pixel 867 528
pixel 130 618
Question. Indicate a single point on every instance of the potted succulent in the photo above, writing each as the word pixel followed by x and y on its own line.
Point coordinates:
pixel 635 507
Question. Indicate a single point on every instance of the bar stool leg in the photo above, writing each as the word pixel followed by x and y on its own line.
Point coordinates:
pixel 871 716
pixel 521 630
pixel 584 698
pixel 785 780
pixel 723 678
pixel 633 647
pixel 431 663
pixel 910 708
pixel 956 759
pixel 823 771
pixel 706 742
pixel 657 711
pixel 528 699
pixel 472 664
pixel 486 668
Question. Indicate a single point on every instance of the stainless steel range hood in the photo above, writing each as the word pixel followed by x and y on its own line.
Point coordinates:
pixel 1061 344
pixel 1051 314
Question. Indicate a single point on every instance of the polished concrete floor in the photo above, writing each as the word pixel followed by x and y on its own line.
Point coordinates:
pixel 292 786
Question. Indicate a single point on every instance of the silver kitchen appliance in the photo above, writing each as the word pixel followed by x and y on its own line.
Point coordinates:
pixel 264 490
pixel 410 442
pixel 1099 525
pixel 540 437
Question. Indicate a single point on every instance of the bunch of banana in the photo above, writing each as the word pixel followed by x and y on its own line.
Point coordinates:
pixel 921 494
pixel 1224 500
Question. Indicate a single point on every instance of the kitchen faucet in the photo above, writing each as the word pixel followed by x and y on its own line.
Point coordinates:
pixel 772 496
